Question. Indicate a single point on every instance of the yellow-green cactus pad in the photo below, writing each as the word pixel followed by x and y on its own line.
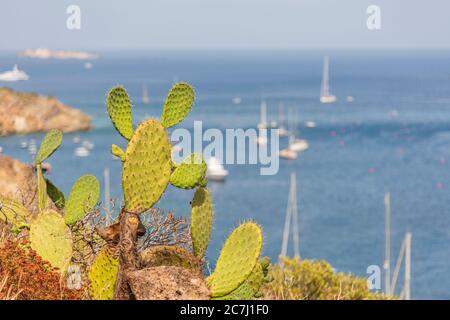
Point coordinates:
pixel 250 288
pixel 13 212
pixel 201 221
pixel 82 199
pixel 178 104
pixel 51 239
pixel 56 195
pixel 118 152
pixel 51 142
pixel 118 105
pixel 102 276
pixel 41 189
pixel 169 256
pixel 146 171
pixel 237 259
pixel 190 173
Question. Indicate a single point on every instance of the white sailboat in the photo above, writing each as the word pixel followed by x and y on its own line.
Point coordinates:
pixel 291 217
pixel 297 145
pixel 325 95
pixel 145 96
pixel 14 75
pixel 282 132
pixel 288 153
pixel 215 171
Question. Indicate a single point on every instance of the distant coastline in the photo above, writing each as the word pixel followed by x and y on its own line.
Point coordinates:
pixel 43 53
pixel 23 113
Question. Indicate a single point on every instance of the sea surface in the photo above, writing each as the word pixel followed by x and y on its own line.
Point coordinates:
pixel 394 137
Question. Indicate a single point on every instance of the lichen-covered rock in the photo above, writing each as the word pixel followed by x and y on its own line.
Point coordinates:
pixel 169 256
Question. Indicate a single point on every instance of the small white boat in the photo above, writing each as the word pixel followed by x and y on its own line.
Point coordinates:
pixel 310 124
pixel 76 139
pixel 350 99
pixel 299 145
pixel 14 75
pixel 32 149
pixel 288 154
pixel 325 95
pixel 88 65
pixel 88 145
pixel 215 171
pixel 1 149
pixel 236 100
pixel 81 152
pixel 23 144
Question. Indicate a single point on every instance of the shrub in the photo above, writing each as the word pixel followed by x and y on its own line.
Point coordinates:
pixel 296 279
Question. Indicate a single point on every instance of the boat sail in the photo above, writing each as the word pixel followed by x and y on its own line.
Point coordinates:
pixel 263 115
pixel 282 132
pixel 325 95
pixel 297 145
pixel 145 97
pixel 291 217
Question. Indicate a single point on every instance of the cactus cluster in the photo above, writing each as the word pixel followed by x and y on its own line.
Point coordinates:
pixel 147 170
pixel 50 234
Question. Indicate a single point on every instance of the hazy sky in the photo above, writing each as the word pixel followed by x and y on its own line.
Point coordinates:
pixel 200 24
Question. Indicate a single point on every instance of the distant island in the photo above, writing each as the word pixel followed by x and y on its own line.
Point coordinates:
pixel 43 53
pixel 22 113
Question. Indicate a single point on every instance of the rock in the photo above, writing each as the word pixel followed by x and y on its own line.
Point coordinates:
pixel 22 113
pixel 168 283
pixel 18 182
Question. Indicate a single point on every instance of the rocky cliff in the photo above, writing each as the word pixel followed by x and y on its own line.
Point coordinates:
pixel 22 113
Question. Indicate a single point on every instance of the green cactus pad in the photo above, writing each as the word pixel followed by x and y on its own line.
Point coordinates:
pixel 169 256
pixel 178 104
pixel 118 105
pixel 118 152
pixel 56 195
pixel 41 189
pixel 237 259
pixel 250 288
pixel 201 221
pixel 146 171
pixel 13 212
pixel 102 276
pixel 82 199
pixel 51 239
pixel 190 173
pixel 51 142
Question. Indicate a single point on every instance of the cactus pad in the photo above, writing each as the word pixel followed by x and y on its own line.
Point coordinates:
pixel 118 152
pixel 190 173
pixel 51 239
pixel 82 199
pixel 56 195
pixel 237 259
pixel 13 212
pixel 169 256
pixel 146 171
pixel 41 189
pixel 118 105
pixel 50 143
pixel 102 276
pixel 201 221
pixel 178 104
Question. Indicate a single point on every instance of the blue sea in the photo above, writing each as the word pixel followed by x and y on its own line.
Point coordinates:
pixel 394 137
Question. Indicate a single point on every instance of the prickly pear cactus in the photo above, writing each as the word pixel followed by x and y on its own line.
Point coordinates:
pixel 190 173
pixel 51 239
pixel 118 152
pixel 119 109
pixel 13 212
pixel 237 259
pixel 41 189
pixel 250 288
pixel 178 104
pixel 56 195
pixel 51 142
pixel 147 167
pixel 169 256
pixel 82 199
pixel 102 276
pixel 201 221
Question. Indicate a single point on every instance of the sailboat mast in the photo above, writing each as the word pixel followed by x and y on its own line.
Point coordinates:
pixel 325 77
pixel 263 115
pixel 295 230
pixel 387 243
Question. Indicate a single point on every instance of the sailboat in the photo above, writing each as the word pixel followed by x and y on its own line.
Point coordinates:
pixel 145 97
pixel 215 171
pixel 325 95
pixel 291 216
pixel 14 75
pixel 297 145
pixel 282 132
pixel 263 115
pixel 288 153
